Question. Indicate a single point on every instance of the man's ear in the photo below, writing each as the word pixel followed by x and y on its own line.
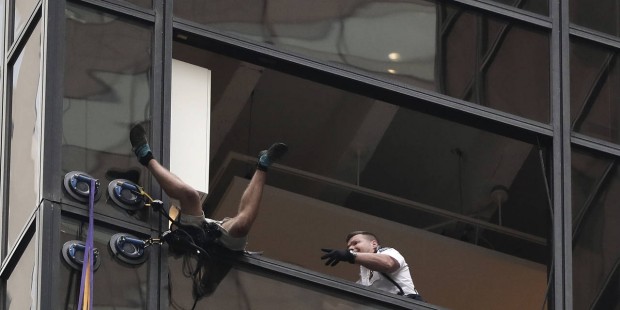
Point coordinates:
pixel 375 245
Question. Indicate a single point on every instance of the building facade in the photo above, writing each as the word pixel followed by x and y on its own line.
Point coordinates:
pixel 478 137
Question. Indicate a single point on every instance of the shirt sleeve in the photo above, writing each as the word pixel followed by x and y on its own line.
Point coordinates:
pixel 394 254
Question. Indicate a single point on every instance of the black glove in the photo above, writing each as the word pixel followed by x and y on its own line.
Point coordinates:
pixel 335 256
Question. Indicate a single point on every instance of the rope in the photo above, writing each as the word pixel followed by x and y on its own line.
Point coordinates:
pixel 86 287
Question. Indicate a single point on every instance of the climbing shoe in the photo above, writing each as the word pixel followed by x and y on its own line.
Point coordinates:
pixel 269 156
pixel 139 144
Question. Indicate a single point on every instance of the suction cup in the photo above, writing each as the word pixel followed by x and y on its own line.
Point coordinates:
pixel 126 194
pixel 77 184
pixel 73 254
pixel 128 248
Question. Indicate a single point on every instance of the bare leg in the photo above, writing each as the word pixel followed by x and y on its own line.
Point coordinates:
pixel 176 188
pixel 172 185
pixel 239 226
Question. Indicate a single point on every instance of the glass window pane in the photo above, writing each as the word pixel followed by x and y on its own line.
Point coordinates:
pixel 108 86
pixel 117 285
pixel 21 286
pixel 147 4
pixel 24 128
pixel 538 6
pixel 23 10
pixel 360 163
pixel 596 251
pixel 595 85
pixel 602 16
pixel 440 47
pixel 243 289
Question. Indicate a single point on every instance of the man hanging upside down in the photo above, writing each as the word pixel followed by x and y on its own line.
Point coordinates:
pixel 234 231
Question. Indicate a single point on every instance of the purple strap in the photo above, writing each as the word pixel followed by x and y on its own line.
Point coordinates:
pixel 89 250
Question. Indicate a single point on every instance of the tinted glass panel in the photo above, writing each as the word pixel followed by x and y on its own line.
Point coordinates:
pixel 147 4
pixel 360 163
pixel 21 286
pixel 535 6
pixel 107 88
pixel 24 128
pixel 595 87
pixel 23 10
pixel 603 15
pixel 117 284
pixel 596 250
pixel 247 290
pixel 440 47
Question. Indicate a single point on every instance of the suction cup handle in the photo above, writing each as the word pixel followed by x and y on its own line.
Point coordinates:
pixel 84 179
pixel 129 186
pixel 136 251
pixel 76 248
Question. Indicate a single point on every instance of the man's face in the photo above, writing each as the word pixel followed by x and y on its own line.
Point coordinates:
pixel 362 243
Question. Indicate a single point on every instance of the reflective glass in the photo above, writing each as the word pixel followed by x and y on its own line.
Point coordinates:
pixel 117 285
pixel 596 246
pixel 473 197
pixel 24 128
pixel 147 4
pixel 595 85
pixel 247 290
pixel 23 11
pixel 107 89
pixel 440 47
pixel 21 286
pixel 536 6
pixel 602 15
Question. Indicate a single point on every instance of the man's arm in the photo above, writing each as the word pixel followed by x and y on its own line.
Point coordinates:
pixel 377 262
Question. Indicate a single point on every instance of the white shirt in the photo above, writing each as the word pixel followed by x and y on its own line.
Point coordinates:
pixel 401 275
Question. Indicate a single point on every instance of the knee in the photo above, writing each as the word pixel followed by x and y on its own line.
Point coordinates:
pixel 188 195
pixel 240 228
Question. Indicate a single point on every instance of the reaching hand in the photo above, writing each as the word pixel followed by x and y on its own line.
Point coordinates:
pixel 335 256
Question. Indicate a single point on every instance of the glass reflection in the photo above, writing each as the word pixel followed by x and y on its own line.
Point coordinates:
pixel 595 78
pixel 436 46
pixel 24 129
pixel 117 285
pixel 244 290
pixel 596 254
pixel 107 88
pixel 603 17
pixel 147 4
pixel 21 285
pixel 23 11
pixel 538 6
pixel 356 161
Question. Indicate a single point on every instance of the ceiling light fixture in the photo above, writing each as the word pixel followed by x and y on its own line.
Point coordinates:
pixel 394 56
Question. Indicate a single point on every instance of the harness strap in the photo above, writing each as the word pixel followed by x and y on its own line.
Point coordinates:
pixel 86 286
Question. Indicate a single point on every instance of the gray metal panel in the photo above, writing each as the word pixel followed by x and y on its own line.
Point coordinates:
pixel 561 181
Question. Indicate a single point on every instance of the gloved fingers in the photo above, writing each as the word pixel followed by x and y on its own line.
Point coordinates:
pixel 332 261
pixel 327 250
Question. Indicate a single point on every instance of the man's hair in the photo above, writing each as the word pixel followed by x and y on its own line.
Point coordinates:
pixel 368 235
